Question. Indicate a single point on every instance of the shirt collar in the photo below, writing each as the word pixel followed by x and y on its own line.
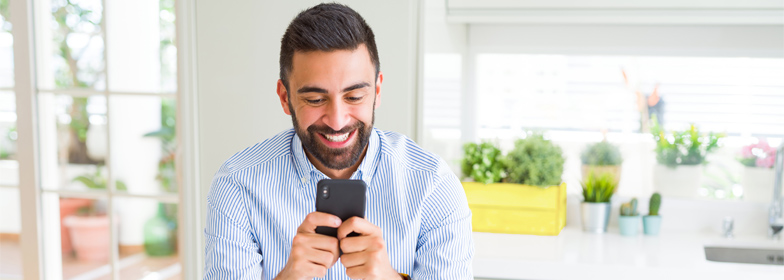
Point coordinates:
pixel 365 171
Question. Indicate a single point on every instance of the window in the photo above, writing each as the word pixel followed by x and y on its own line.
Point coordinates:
pixel 574 97
pixel 106 94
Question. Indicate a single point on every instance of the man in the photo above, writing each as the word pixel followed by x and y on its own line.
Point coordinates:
pixel 261 216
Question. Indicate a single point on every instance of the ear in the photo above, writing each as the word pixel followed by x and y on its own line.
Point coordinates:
pixel 379 80
pixel 283 95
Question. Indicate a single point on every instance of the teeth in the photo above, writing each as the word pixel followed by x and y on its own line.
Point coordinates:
pixel 336 138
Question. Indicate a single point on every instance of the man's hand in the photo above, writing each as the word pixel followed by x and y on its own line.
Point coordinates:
pixel 312 253
pixel 364 256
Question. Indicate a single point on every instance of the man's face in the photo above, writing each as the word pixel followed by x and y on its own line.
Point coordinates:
pixel 332 99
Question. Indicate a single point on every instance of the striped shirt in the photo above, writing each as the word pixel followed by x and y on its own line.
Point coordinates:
pixel 262 194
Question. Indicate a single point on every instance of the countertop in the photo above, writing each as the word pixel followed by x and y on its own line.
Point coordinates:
pixel 575 254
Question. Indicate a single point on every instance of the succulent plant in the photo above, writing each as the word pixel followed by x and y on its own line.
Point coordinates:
pixel 483 162
pixel 602 153
pixel 599 188
pixel 629 208
pixel 653 207
pixel 535 161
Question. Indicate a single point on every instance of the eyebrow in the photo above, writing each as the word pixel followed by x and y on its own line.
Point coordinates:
pixel 324 91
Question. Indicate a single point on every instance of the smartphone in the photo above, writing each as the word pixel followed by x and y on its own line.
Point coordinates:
pixel 342 198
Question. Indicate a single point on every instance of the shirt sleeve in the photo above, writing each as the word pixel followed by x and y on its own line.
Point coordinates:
pixel 445 248
pixel 231 250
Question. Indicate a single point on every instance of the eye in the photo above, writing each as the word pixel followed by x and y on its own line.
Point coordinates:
pixel 354 99
pixel 314 101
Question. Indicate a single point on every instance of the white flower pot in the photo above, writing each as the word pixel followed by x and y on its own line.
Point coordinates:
pixel 595 216
pixel 681 181
pixel 757 184
pixel 96 142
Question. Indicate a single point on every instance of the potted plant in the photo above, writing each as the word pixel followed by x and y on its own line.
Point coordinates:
pixel 535 161
pixel 595 208
pixel 482 163
pixel 680 156
pixel 89 231
pixel 530 199
pixel 629 221
pixel 601 157
pixel 758 175
pixel 69 207
pixel 651 223
pixel 89 227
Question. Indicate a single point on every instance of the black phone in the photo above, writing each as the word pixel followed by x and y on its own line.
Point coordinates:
pixel 342 198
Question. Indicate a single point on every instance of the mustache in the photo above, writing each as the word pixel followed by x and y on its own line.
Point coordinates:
pixel 324 129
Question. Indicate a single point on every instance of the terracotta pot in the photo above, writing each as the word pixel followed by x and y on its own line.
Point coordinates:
pixel 68 207
pixel 90 237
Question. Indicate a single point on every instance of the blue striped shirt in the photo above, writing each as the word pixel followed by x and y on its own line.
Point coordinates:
pixel 262 194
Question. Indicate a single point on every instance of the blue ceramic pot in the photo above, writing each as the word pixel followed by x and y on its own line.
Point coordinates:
pixel 629 225
pixel 651 224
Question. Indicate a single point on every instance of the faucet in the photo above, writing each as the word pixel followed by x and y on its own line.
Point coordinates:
pixel 776 211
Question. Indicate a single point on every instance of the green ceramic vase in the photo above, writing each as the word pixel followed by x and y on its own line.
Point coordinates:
pixel 160 234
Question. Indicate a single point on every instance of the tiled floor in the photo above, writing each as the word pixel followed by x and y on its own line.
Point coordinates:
pixel 132 266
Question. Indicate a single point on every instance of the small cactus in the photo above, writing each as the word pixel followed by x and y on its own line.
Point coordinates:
pixel 629 208
pixel 654 205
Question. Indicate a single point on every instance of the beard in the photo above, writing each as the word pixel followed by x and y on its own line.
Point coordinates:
pixel 332 158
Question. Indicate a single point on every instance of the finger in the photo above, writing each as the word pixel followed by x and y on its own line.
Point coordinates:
pixel 310 261
pixel 361 243
pixel 358 272
pixel 319 257
pixel 313 270
pixel 358 225
pixel 354 259
pixel 316 241
pixel 317 219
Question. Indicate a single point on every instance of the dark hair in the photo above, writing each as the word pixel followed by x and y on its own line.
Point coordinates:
pixel 325 27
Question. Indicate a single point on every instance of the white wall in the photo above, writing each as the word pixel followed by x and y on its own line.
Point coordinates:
pixel 237 49
pixel 659 40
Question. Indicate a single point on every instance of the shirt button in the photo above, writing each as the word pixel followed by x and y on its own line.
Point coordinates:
pixel 304 179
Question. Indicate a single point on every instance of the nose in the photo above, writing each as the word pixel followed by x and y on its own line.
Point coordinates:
pixel 337 116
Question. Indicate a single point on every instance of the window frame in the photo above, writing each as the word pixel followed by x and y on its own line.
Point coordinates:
pixel 35 262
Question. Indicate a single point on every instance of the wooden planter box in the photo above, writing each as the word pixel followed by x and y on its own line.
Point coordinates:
pixel 517 209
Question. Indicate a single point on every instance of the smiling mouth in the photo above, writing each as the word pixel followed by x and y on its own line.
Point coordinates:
pixel 337 140
pixel 337 137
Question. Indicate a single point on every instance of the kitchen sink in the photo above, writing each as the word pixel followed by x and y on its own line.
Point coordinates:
pixel 771 254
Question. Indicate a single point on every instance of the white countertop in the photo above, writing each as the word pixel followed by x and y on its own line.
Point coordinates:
pixel 575 254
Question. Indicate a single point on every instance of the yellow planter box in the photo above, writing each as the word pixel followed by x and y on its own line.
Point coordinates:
pixel 517 209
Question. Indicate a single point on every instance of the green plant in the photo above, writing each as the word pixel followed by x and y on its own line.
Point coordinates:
pixel 629 208
pixel 98 181
pixel 483 162
pixel 535 161
pixel 7 152
pixel 4 13
pixel 653 206
pixel 688 147
pixel 166 169
pixel 599 188
pixel 601 153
